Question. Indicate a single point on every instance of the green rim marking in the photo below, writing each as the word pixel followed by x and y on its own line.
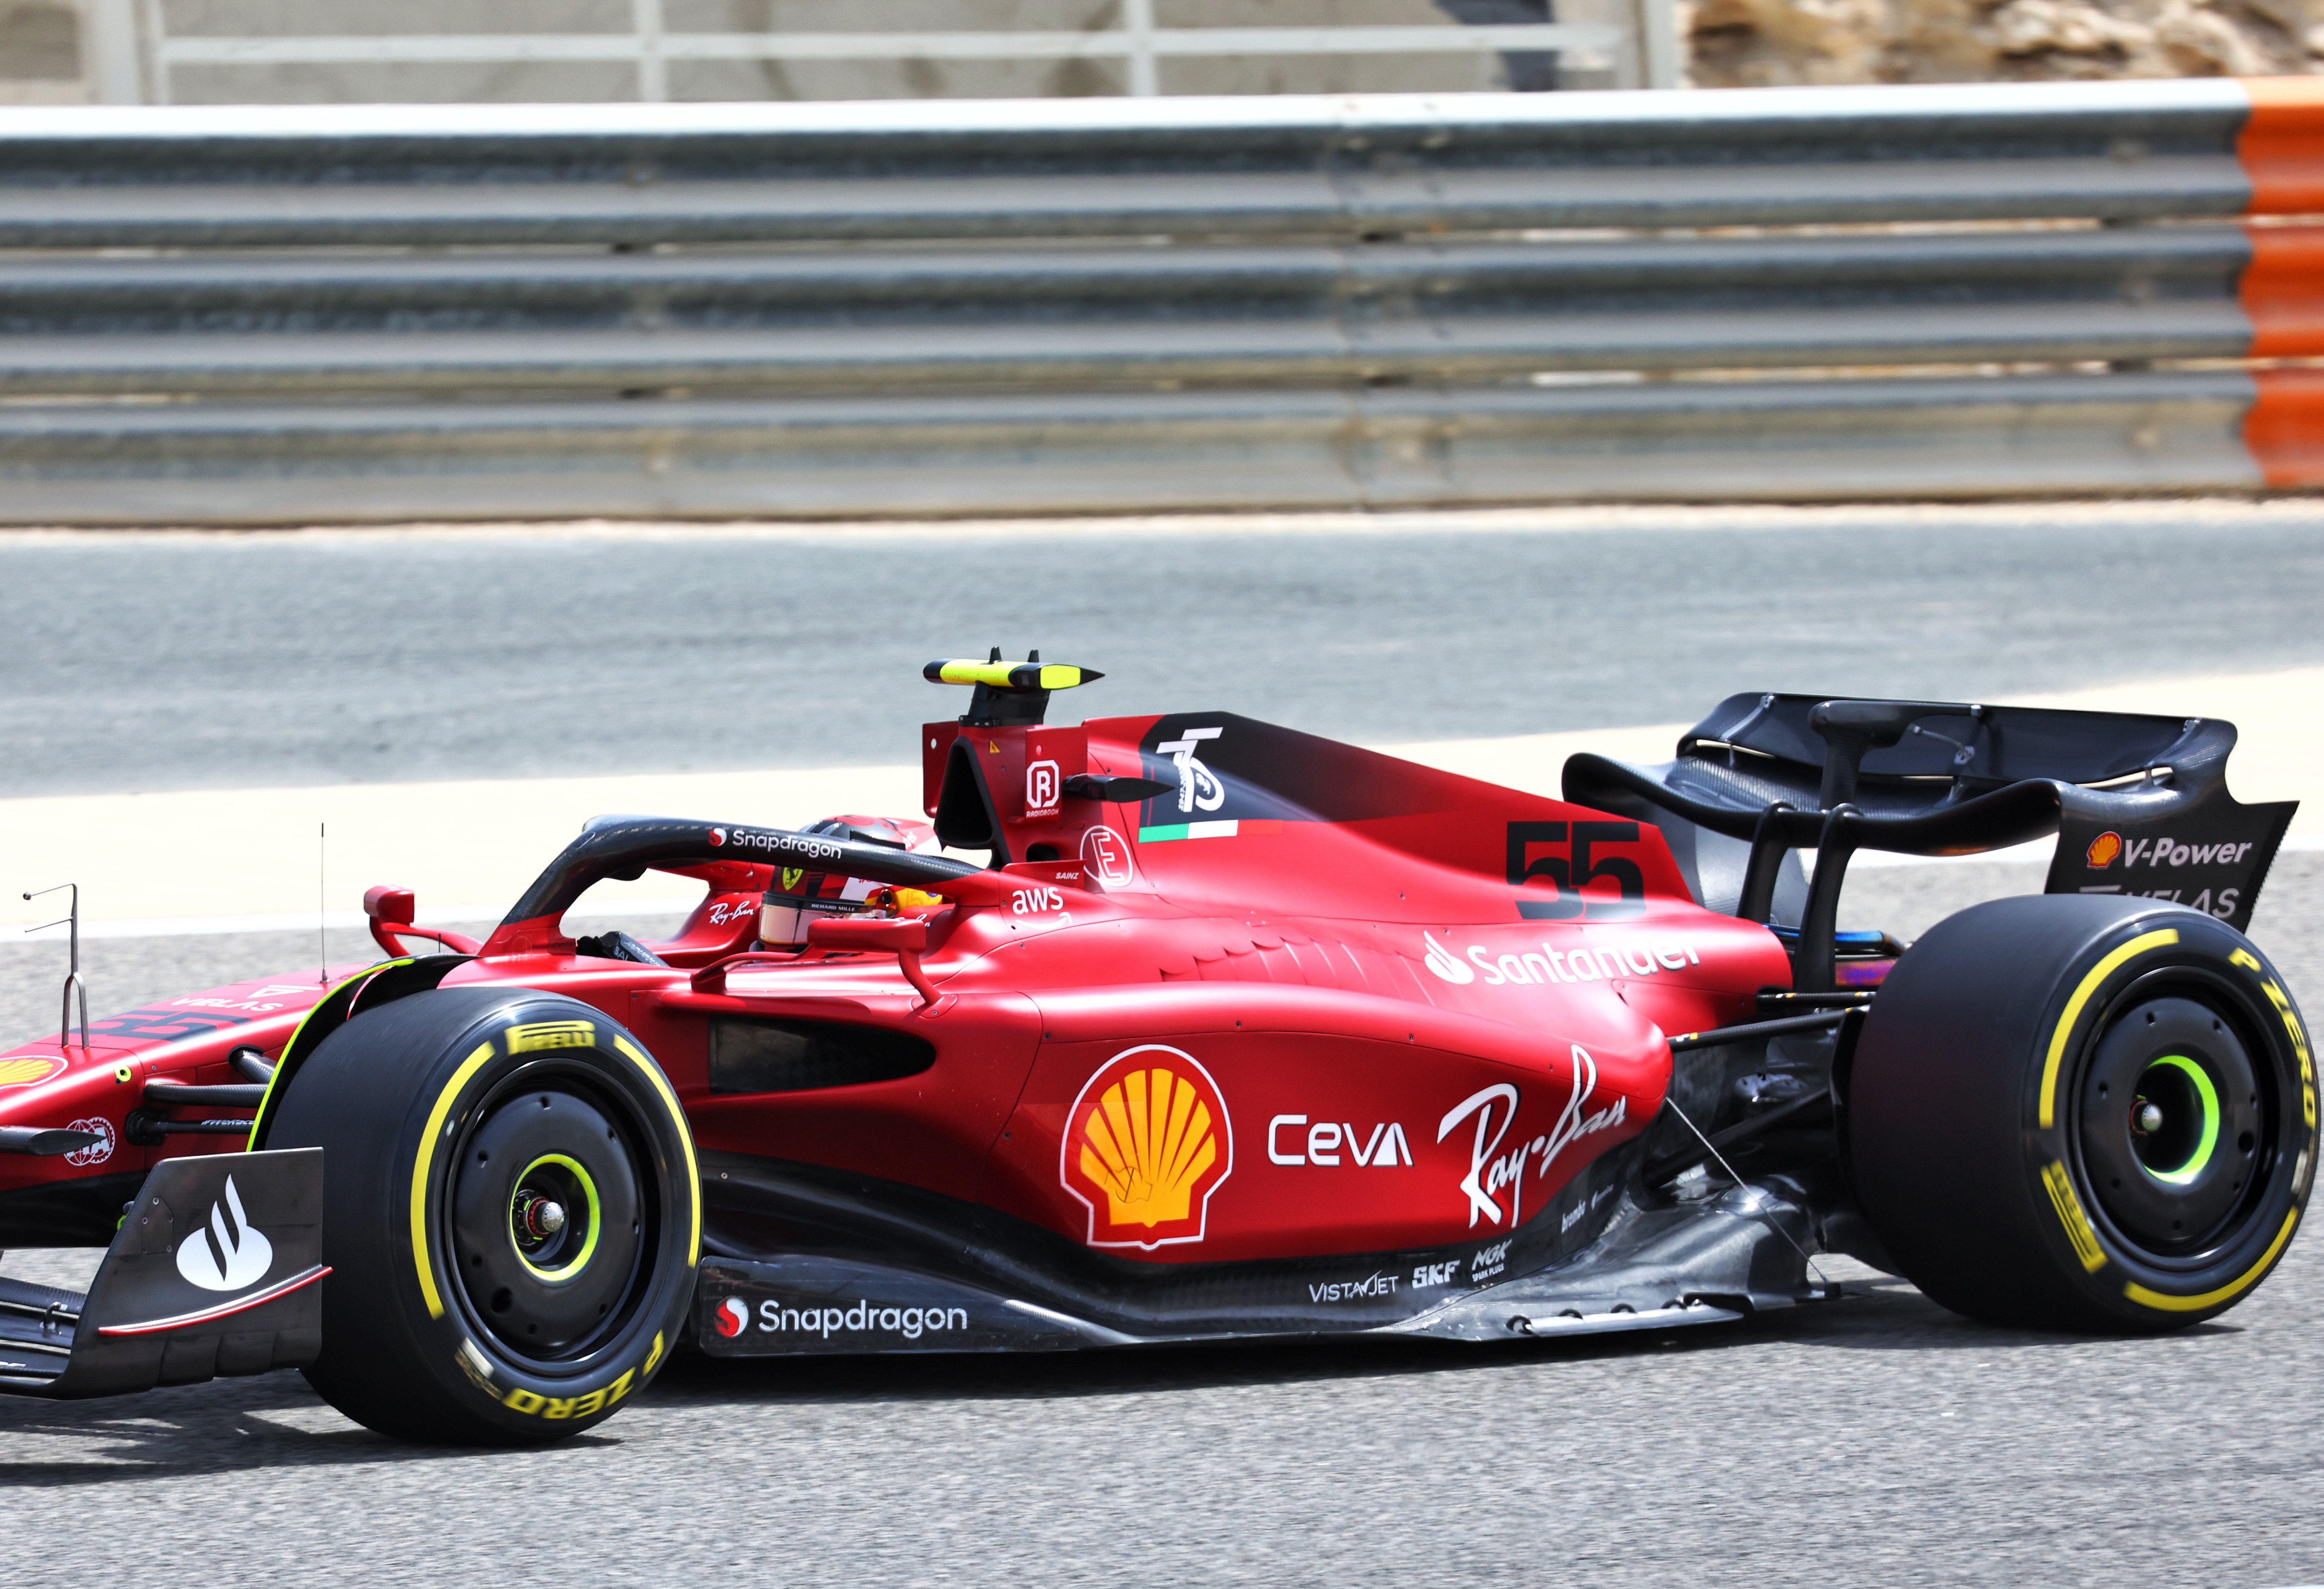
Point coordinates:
pixel 2210 1097
pixel 589 1245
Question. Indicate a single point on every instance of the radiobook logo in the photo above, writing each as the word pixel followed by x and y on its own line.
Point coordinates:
pixel 1443 961
pixel 230 1253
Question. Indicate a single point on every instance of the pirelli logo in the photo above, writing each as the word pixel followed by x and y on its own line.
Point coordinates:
pixel 479 1369
pixel 2070 1214
pixel 552 1034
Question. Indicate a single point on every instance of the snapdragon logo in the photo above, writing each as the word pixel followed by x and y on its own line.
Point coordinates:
pixel 1442 961
pixel 228 1255
pixel 910 1322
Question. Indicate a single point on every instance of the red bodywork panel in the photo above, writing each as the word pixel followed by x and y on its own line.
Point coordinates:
pixel 1315 1000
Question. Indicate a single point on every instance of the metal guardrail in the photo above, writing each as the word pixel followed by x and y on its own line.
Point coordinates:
pixel 379 313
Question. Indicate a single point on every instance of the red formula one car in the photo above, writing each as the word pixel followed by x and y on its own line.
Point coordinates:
pixel 1241 1032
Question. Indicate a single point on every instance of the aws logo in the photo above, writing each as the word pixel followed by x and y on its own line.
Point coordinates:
pixel 1147 1142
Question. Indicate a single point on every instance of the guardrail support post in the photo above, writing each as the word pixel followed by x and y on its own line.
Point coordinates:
pixel 1655 28
pixel 653 72
pixel 1138 22
pixel 109 51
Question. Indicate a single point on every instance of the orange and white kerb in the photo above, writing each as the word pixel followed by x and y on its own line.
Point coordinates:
pixel 1147 1142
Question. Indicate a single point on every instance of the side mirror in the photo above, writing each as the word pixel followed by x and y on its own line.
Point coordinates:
pixel 903 935
pixel 383 903
pixel 391 910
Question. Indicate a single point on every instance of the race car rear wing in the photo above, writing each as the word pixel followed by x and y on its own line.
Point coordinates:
pixel 2139 804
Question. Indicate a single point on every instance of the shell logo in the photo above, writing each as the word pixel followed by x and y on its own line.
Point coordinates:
pixel 1147 1142
pixel 24 1073
pixel 2103 850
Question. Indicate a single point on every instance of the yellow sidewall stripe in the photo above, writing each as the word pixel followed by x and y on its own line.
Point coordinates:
pixel 2233 1288
pixel 468 1067
pixel 685 1139
pixel 2099 974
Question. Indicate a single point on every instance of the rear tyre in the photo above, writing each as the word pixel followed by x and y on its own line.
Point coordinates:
pixel 510 1212
pixel 2083 1112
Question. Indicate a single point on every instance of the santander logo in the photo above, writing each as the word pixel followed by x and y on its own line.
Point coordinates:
pixel 732 1315
pixel 229 1255
pixel 1442 961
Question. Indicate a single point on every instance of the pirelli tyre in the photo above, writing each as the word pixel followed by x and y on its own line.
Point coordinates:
pixel 2084 1112
pixel 510 1212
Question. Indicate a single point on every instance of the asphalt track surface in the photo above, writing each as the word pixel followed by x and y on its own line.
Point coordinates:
pixel 1877 1441
pixel 254 660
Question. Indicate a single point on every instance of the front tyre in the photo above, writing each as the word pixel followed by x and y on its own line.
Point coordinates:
pixel 511 1214
pixel 2084 1113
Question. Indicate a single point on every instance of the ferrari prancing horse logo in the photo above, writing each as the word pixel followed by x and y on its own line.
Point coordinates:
pixel 1147 1142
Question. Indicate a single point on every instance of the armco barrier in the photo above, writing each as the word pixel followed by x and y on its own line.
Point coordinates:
pixel 315 313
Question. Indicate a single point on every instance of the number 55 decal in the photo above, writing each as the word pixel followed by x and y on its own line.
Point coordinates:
pixel 1572 872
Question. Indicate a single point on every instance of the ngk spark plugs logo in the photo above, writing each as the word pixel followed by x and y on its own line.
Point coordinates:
pixel 1147 1142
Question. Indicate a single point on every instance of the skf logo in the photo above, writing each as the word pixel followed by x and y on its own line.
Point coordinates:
pixel 2103 850
pixel 733 1315
pixel 1147 1142
pixel 718 837
pixel 228 1255
pixel 1445 964
pixel 1041 788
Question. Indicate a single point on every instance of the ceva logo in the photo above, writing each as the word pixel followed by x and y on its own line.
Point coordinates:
pixel 1442 961
pixel 229 1255
pixel 732 1315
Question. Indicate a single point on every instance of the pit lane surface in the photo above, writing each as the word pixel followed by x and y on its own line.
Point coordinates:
pixel 1879 1441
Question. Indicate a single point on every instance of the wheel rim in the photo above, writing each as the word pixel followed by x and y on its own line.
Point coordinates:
pixel 2174 1126
pixel 551 1206
pixel 2174 1120
pixel 555 1217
